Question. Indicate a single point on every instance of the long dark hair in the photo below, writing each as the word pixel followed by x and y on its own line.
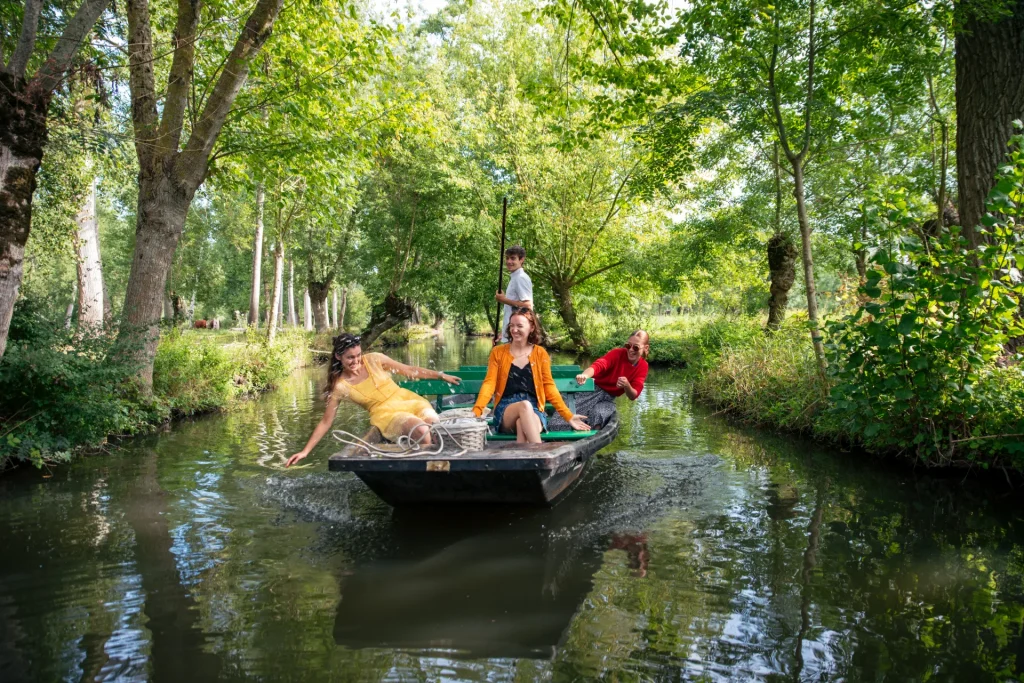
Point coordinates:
pixel 342 343
pixel 534 336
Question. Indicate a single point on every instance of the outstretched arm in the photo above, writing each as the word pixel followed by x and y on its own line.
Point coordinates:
pixel 415 372
pixel 322 428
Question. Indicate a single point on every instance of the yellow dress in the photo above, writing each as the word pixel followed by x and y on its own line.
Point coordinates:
pixel 390 406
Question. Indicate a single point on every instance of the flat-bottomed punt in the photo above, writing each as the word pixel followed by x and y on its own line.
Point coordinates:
pixel 503 472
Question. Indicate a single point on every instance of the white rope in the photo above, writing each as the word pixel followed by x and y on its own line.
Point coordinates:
pixel 410 447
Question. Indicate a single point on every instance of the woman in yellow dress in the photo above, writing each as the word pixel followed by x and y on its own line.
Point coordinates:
pixel 366 381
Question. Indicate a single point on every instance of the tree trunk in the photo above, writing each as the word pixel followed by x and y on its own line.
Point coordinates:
pixel 275 295
pixel 318 297
pixel 782 269
pixel 307 312
pixel 90 266
pixel 344 307
pixel 23 108
pixel 171 171
pixel 805 239
pixel 439 321
pixel 257 258
pixel 392 311
pixel 160 219
pixel 22 137
pixel 563 294
pixel 292 320
pixel 69 313
pixel 989 96
pixel 334 306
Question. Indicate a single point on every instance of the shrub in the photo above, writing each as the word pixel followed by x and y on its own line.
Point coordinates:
pixel 768 379
pixel 64 388
pixel 261 365
pixel 915 367
pixel 192 373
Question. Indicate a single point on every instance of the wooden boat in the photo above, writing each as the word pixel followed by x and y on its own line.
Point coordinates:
pixel 503 472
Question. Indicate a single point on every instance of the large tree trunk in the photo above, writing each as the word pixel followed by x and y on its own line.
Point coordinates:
pixel 782 269
pixel 292 320
pixel 989 96
pixel 257 258
pixel 805 239
pixel 22 137
pixel 563 294
pixel 344 307
pixel 392 311
pixel 438 321
pixel 318 298
pixel 275 294
pixel 307 312
pixel 91 307
pixel 160 220
pixel 23 107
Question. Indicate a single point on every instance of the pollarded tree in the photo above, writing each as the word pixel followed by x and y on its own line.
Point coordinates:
pixel 174 141
pixel 35 70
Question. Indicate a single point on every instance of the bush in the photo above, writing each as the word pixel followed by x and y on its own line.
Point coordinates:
pixel 261 365
pixel 915 366
pixel 60 389
pixel 768 379
pixel 403 334
pixel 193 374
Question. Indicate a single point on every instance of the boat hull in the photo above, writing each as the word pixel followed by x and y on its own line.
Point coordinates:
pixel 503 473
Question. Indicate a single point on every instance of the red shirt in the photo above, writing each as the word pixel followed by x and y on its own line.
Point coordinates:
pixel 615 364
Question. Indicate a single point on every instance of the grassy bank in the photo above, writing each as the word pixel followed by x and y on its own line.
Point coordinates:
pixel 772 380
pixel 64 392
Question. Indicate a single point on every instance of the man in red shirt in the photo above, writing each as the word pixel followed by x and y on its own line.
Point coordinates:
pixel 621 371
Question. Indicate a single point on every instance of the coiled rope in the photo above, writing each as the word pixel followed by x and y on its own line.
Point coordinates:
pixel 410 447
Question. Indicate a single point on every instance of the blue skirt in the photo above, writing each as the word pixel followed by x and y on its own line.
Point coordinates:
pixel 506 401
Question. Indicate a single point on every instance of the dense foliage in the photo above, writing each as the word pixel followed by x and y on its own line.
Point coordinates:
pixel 652 155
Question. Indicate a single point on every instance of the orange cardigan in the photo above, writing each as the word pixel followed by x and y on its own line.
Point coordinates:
pixel 498 365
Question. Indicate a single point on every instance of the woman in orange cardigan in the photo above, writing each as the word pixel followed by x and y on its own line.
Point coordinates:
pixel 519 379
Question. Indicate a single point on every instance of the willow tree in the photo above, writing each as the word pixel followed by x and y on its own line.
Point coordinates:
pixel 29 78
pixel 174 141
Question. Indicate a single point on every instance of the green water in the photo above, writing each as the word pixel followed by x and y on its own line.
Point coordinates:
pixel 691 550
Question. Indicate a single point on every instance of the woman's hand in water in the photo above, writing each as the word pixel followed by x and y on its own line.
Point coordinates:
pixel 295 458
pixel 451 379
pixel 578 422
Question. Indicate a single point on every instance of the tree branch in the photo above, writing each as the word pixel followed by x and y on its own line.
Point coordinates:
pixel 141 79
pixel 27 39
pixel 192 163
pixel 52 71
pixel 780 125
pixel 810 85
pixel 583 279
pixel 179 80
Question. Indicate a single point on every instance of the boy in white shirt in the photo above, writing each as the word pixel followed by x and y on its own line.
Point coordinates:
pixel 519 293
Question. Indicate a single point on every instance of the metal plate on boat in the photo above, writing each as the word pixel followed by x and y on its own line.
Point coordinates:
pixel 438 466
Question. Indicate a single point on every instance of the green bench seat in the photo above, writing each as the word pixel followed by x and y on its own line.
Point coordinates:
pixel 480 374
pixel 566 386
pixel 574 369
pixel 547 436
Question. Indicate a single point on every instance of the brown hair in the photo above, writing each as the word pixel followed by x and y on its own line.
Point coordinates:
pixel 534 336
pixel 517 251
pixel 342 343
pixel 645 339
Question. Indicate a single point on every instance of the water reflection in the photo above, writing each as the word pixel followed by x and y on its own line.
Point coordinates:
pixel 692 550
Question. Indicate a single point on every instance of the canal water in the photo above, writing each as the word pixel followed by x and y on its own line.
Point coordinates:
pixel 692 549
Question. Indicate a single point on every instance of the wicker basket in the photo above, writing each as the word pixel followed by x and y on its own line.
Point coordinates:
pixel 469 433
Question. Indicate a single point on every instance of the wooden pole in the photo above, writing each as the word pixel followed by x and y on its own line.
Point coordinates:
pixel 501 265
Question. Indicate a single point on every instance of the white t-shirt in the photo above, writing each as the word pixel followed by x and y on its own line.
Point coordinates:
pixel 520 288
